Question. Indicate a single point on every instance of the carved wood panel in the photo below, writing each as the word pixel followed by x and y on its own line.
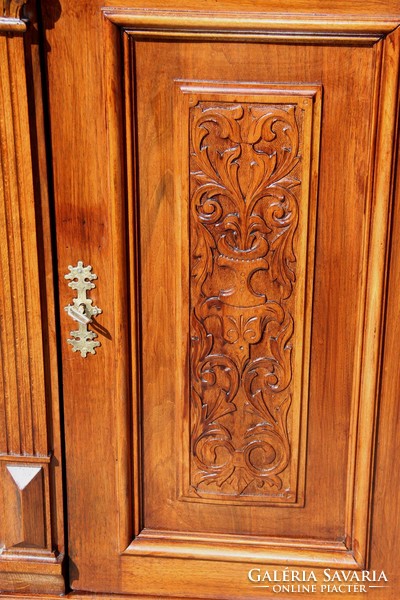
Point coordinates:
pixel 250 203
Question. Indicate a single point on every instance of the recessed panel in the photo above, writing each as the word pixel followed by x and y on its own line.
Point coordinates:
pixel 24 502
pixel 249 306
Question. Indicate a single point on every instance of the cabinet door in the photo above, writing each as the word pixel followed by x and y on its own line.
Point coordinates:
pixel 227 175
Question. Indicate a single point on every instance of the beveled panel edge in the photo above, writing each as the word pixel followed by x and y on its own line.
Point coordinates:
pixel 118 83
pixel 345 553
pixel 284 91
pixel 376 251
pixel 274 38
pixel 100 596
pixel 223 548
pixel 28 509
pixel 250 26
pixel 19 562
pixel 241 539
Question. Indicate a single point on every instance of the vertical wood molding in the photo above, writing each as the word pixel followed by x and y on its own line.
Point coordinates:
pixel 23 403
pixel 385 152
pixel 25 524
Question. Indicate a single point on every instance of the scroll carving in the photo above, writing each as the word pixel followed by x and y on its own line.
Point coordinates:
pixel 245 182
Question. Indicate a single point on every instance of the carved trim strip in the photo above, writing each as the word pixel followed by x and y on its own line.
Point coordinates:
pixel 316 38
pixel 249 173
pixel 241 549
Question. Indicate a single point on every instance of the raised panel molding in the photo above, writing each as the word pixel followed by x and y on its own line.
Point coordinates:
pixel 251 157
pixel 24 495
pixel 352 552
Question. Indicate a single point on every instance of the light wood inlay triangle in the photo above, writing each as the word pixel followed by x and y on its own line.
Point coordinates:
pixel 23 475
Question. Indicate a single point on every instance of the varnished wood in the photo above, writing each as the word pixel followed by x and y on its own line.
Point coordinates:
pixel 375 284
pixel 23 373
pixel 239 549
pixel 26 440
pixel 385 518
pixel 42 186
pixel 364 433
pixel 88 596
pixel 127 436
pixel 247 277
pixel 10 20
pixel 249 18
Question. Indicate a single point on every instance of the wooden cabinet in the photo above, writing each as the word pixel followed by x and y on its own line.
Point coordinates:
pixel 229 174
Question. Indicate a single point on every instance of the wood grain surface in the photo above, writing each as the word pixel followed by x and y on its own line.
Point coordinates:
pixel 228 172
pixel 30 484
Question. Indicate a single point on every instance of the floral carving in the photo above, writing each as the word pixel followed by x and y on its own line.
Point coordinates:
pixel 244 181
